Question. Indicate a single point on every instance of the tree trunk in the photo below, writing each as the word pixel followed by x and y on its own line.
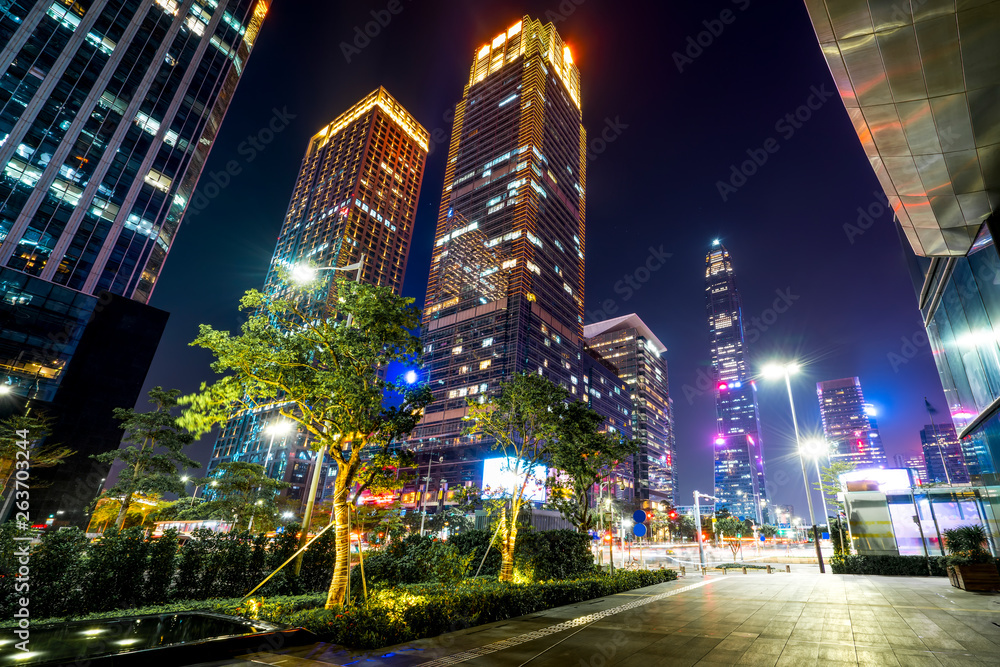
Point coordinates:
pixel 338 584
pixel 126 503
pixel 507 545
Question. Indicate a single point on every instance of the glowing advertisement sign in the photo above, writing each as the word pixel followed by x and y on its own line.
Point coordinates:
pixel 498 478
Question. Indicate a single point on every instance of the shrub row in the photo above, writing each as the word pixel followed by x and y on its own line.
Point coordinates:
pixel 410 612
pixel 907 566
pixel 69 574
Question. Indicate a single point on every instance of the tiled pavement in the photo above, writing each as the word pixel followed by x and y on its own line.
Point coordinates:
pixel 754 619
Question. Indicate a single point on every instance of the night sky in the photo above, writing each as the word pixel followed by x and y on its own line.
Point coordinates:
pixel 654 185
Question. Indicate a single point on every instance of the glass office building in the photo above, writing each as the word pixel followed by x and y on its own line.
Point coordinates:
pixel 849 424
pixel 640 359
pixel 920 82
pixel 108 111
pixel 740 484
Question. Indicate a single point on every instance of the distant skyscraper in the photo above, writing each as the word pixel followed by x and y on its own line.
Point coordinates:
pixel 739 457
pixel 849 423
pixel 108 111
pixel 943 455
pixel 638 355
pixel 510 299
pixel 356 195
pixel 914 463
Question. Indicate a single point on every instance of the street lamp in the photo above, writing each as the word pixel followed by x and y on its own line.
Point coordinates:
pixel 815 449
pixel 423 498
pixel 303 274
pixel 194 495
pixel 777 371
pixel 281 428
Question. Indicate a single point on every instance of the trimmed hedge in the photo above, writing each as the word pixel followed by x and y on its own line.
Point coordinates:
pixel 392 616
pixel 906 566
pixel 538 555
pixel 739 566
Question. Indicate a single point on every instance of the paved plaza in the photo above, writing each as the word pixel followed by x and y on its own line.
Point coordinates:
pixel 756 619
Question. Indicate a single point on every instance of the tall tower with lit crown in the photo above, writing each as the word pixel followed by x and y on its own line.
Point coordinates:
pixel 739 458
pixel 355 199
pixel 515 186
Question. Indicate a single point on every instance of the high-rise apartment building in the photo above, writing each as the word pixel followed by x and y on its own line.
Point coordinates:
pixel 849 423
pixel 509 297
pixel 108 111
pixel 943 457
pixel 739 455
pixel 354 202
pixel 639 357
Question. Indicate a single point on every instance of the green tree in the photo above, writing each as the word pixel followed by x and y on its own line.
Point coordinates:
pixel 326 376
pixel 584 456
pixel 829 484
pixel 40 454
pixel 521 421
pixel 732 530
pixel 768 531
pixel 242 493
pixel 150 467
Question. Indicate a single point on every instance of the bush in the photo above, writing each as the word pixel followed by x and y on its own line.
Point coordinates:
pixel 414 560
pixel 409 612
pixel 474 543
pixel 907 566
pixel 554 554
pixel 538 555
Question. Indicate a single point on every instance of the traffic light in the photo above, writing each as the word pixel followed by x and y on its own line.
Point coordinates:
pixel 672 515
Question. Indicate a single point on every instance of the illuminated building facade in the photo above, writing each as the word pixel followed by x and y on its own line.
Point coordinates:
pixel 914 463
pixel 849 423
pixel 515 181
pixel 108 111
pixel 356 196
pixel 740 485
pixel 639 357
pixel 943 457
pixel 920 82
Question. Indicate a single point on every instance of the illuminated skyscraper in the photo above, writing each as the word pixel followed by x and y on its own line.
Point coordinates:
pixel 108 111
pixel 739 457
pixel 355 199
pixel 849 423
pixel 639 357
pixel 514 181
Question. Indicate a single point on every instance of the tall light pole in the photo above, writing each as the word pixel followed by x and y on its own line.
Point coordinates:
pixel 423 496
pixel 775 371
pixel 303 274
pixel 814 449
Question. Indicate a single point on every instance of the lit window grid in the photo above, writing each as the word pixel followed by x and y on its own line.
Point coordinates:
pixel 67 226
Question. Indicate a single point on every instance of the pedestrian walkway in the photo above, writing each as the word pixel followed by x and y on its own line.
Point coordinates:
pixel 755 619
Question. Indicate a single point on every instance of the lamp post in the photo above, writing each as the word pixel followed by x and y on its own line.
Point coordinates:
pixel 281 428
pixel 814 449
pixel 303 274
pixel 775 371
pixel 423 496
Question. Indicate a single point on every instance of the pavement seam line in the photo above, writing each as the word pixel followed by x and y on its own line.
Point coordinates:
pixel 493 647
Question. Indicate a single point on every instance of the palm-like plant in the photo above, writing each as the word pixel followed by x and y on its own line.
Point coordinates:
pixel 967 545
